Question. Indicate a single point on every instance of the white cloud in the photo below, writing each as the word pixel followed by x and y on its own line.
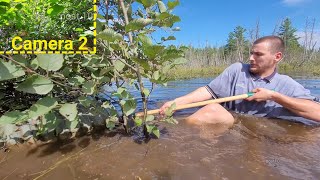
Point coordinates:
pixel 315 38
pixel 293 2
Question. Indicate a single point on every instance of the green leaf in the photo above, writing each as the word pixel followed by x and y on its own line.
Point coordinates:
pixel 69 111
pixel 146 92
pixel 138 121
pixel 169 111
pixel 72 124
pixel 50 62
pixel 180 60
pixel 36 84
pixel 150 128
pixel 76 81
pixel 150 118
pixel 156 75
pixel 55 10
pixel 85 101
pixel 138 24
pixel 109 35
pixel 88 87
pixel 12 117
pixel 34 64
pixel 119 65
pixel 19 58
pixel 162 6
pixel 9 70
pixel 147 3
pixel 145 40
pixel 111 122
pixel 173 4
pixel 171 120
pixel 168 38
pixel 41 107
pixel 153 51
pixel 156 132
pixel 129 106
pixel 2 95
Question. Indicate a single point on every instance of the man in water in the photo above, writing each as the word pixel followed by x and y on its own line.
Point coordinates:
pixel 275 95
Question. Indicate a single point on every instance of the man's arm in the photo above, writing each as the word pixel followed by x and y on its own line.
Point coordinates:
pixel 200 94
pixel 302 107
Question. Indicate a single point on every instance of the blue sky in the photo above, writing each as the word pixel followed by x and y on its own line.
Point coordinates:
pixel 210 22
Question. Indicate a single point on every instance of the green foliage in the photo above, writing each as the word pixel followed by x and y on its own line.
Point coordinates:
pixel 287 33
pixel 44 20
pixel 59 89
pixel 9 70
pixel 237 43
pixel 36 84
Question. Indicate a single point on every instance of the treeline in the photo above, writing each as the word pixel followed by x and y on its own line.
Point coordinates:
pixel 297 55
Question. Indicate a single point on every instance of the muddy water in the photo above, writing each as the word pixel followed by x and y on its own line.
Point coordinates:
pixel 254 148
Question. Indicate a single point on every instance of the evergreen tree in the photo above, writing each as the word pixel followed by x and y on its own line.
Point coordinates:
pixel 236 43
pixel 287 33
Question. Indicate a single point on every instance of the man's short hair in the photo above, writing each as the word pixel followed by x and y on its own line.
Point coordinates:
pixel 276 43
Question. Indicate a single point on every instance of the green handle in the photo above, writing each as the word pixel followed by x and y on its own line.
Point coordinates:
pixel 250 94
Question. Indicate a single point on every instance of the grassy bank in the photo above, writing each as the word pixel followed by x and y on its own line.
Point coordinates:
pixel 185 72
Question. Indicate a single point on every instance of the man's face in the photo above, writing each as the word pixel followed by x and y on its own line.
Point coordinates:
pixel 261 58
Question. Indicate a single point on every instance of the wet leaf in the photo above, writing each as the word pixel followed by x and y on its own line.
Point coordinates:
pixel 69 111
pixel 138 121
pixel 150 128
pixel 111 122
pixel 73 124
pixel 156 132
pixel 13 117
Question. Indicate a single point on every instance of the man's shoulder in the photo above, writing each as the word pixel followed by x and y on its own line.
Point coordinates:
pixel 287 80
pixel 238 66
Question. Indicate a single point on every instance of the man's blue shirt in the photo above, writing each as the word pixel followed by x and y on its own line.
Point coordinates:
pixel 237 79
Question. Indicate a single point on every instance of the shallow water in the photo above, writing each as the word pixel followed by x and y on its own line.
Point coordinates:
pixel 254 148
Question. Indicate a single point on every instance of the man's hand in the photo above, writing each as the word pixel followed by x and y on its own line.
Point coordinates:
pixel 165 106
pixel 261 94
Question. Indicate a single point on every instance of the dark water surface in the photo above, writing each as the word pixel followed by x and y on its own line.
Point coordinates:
pixel 254 148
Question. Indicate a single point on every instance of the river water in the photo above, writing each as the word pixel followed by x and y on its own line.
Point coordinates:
pixel 254 148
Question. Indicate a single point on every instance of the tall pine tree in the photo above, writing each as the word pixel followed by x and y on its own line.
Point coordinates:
pixel 287 33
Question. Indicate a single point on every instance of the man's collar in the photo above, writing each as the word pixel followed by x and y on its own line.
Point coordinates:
pixel 267 79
